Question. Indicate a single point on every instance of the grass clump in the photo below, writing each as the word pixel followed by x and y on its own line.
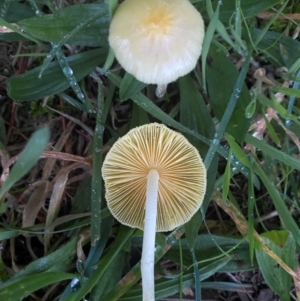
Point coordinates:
pixel 239 107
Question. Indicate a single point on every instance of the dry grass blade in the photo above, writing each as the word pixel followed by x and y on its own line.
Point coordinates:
pixel 58 146
pixel 4 159
pixel 34 203
pixel 260 125
pixel 242 225
pixel 297 283
pixel 83 236
pixel 286 17
pixel 65 219
pixel 50 154
pixel 292 135
pixel 50 291
pixel 75 120
pixel 4 29
pixel 260 76
pixel 57 194
pixel 67 157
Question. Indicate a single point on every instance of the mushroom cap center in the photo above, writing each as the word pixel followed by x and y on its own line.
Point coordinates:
pixel 158 22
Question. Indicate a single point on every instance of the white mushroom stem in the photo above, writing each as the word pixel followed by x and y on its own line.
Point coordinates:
pixel 147 264
pixel 160 91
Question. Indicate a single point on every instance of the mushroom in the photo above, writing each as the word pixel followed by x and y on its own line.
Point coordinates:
pixel 157 41
pixel 155 180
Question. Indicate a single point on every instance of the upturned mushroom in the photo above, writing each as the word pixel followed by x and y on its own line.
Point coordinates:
pixel 155 180
pixel 157 41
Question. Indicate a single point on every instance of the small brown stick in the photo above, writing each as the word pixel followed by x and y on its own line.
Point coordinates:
pixel 269 15
pixel 55 155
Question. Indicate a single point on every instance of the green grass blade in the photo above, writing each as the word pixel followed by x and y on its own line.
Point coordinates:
pixel 12 37
pixel 273 152
pixel 228 7
pixel 57 261
pixel 56 47
pixel 271 45
pixel 237 151
pixel 110 278
pixel 208 248
pixel 271 21
pixel 22 287
pixel 207 41
pixel 294 68
pixel 96 194
pixel 228 112
pixel 251 204
pixel 287 91
pixel 146 104
pixel 112 6
pixel 79 24
pixel 130 87
pixel 28 158
pixel 279 204
pixel 109 60
pixel 27 86
pixel 123 235
pixel 7 234
pixel 227 176
pixel 197 277
pixel 139 116
pixel 168 287
pixel 94 254
pixel 16 11
pixel 271 131
pixel 18 31
pixel 73 102
pixel 193 114
pixel 181 270
pixel 276 277
pixel 133 276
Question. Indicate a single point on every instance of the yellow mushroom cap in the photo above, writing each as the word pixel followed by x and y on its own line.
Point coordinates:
pixel 182 176
pixel 157 41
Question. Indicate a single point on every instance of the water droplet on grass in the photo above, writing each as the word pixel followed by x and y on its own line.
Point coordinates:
pixel 80 95
pixel 99 129
pixel 75 284
pixel 67 71
pixel 237 93
pixel 4 8
pixel 216 142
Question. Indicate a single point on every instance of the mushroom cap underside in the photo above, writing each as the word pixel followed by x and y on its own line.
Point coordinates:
pixel 182 176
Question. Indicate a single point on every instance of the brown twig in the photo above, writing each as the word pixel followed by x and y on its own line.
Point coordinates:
pixel 269 15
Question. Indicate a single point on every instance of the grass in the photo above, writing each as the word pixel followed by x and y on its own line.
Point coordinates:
pixel 65 101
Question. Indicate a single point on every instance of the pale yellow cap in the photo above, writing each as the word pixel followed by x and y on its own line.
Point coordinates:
pixel 182 176
pixel 157 41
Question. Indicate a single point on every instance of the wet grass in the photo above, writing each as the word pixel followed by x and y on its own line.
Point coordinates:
pixel 65 101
